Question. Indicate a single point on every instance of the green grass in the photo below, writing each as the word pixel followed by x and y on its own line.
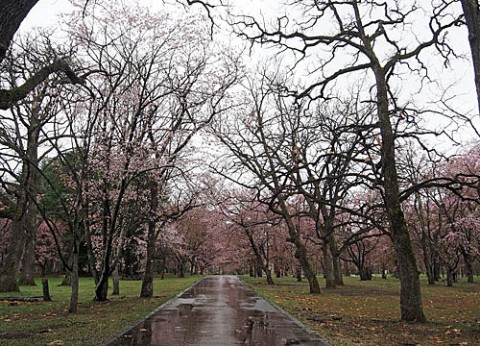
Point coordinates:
pixel 368 312
pixel 41 323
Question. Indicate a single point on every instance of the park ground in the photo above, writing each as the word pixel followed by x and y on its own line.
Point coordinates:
pixel 360 313
pixel 50 324
pixel 368 312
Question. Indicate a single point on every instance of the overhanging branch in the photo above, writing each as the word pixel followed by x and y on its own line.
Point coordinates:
pixel 9 96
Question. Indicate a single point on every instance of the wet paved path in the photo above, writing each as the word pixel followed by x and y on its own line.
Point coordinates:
pixel 219 310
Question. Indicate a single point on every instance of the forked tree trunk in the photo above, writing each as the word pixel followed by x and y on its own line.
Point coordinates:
pixel 260 263
pixel 101 290
pixel 328 266
pixel 268 274
pixel 300 251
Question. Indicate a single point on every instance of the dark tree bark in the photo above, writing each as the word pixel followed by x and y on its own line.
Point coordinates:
pixel 31 185
pixel 471 11
pixel 46 290
pixel 337 271
pixel 9 97
pixel 74 278
pixel 410 292
pixel 27 274
pixel 8 275
pixel 298 273
pixel 116 282
pixel 147 281
pixel 468 267
pixel 261 264
pixel 11 16
pixel 328 266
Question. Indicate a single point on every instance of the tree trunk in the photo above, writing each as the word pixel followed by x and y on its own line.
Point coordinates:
pixel 27 275
pixel 31 182
pixel 181 268
pixel 347 268
pixel 260 263
pixel 8 276
pixel 449 277
pixel 337 271
pixel 410 292
pixel 467 259
pixel 328 266
pixel 472 19
pixel 365 274
pixel 89 242
pixel 428 265
pixel 298 273
pixel 258 268
pixel 301 255
pixel 268 274
pixel 11 16
pixel 101 290
pixel 300 251
pixel 67 280
pixel 46 290
pixel 74 279
pixel 251 272
pixel 147 281
pixel 162 268
pixel 116 282
pixel 425 241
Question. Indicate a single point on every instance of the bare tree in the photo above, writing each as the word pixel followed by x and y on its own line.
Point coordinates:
pixel 24 145
pixel 358 32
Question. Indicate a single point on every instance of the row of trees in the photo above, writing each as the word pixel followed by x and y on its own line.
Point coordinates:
pixel 110 159
pixel 342 166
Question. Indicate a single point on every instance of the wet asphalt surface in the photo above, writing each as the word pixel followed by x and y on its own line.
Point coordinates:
pixel 219 310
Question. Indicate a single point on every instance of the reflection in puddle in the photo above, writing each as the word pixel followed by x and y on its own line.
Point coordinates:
pixel 217 311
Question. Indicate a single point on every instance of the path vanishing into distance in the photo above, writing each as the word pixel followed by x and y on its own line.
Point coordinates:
pixel 218 310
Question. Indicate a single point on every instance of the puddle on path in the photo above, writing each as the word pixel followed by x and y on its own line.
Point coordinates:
pixel 219 310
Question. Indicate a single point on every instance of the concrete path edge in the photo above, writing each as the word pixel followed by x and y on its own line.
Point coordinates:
pixel 286 313
pixel 141 320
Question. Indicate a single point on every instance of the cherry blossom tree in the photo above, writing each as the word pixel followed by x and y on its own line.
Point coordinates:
pixel 154 87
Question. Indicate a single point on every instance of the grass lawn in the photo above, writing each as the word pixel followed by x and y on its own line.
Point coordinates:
pixel 368 312
pixel 42 323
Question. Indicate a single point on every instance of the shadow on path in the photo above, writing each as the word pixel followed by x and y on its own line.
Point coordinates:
pixel 218 310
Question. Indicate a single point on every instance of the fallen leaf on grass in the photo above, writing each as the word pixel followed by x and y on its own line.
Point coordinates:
pixel 56 343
